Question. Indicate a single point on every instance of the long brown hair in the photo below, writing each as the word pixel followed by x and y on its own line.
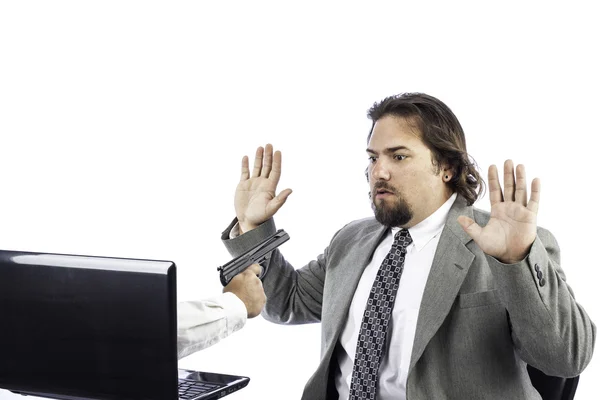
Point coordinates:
pixel 442 134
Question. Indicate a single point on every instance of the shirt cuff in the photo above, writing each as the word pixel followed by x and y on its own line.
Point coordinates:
pixel 201 324
pixel 237 313
pixel 235 231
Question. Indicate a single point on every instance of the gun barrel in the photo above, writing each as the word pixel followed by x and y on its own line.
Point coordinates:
pixel 257 254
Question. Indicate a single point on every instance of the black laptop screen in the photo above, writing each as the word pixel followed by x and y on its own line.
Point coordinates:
pixel 87 327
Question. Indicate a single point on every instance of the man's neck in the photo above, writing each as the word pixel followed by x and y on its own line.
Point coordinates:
pixel 436 206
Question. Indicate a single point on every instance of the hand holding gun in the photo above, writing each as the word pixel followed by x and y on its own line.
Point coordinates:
pixel 256 255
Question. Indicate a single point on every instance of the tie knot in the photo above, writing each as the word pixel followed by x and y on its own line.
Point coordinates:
pixel 402 238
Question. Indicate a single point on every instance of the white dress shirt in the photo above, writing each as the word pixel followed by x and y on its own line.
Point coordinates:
pixel 201 324
pixel 393 370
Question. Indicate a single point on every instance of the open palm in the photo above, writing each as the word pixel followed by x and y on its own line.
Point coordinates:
pixel 255 196
pixel 512 227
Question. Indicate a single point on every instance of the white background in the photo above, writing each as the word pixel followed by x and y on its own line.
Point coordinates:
pixel 122 126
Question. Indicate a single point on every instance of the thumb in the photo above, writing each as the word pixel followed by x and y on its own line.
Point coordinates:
pixel 470 226
pixel 276 203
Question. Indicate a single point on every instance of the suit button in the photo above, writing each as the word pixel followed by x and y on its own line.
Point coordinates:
pixel 540 275
pixel 542 282
pixel 537 268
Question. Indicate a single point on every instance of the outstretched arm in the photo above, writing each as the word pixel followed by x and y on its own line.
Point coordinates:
pixel 204 323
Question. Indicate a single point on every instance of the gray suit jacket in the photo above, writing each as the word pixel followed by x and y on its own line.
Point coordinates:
pixel 479 324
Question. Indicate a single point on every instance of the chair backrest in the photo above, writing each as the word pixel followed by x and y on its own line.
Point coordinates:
pixel 553 387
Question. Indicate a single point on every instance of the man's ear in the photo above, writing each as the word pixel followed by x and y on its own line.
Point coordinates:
pixel 447 173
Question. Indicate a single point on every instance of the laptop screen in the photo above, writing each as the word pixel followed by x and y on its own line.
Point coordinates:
pixel 90 327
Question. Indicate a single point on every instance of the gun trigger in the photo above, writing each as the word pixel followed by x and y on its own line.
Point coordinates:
pixel 261 260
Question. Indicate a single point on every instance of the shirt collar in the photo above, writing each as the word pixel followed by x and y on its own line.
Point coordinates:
pixel 427 229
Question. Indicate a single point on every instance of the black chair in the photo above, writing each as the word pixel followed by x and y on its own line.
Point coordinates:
pixel 552 387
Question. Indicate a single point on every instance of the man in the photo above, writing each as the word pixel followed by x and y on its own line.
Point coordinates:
pixel 201 324
pixel 432 298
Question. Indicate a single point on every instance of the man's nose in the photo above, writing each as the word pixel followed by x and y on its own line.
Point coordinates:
pixel 380 171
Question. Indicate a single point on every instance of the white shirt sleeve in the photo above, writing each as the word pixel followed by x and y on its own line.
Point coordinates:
pixel 235 231
pixel 201 324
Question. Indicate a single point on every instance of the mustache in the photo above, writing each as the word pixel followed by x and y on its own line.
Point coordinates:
pixel 385 186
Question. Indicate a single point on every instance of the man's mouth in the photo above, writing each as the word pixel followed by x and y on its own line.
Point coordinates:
pixel 381 193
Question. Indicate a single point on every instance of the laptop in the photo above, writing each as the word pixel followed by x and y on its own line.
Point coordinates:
pixel 86 327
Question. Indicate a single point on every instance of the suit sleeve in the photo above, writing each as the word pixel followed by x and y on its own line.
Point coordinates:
pixel 550 330
pixel 294 296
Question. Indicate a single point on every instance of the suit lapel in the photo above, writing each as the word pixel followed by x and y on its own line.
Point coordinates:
pixel 450 266
pixel 347 280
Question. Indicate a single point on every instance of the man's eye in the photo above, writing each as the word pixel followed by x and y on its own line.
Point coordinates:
pixel 372 159
pixel 399 157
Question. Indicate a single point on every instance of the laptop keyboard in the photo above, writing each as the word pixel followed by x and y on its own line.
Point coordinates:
pixel 190 389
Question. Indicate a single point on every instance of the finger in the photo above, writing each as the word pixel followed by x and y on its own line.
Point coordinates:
pixel 283 195
pixel 470 227
pixel 509 181
pixel 258 158
pixel 534 200
pixel 245 170
pixel 278 201
pixel 521 187
pixel 276 168
pixel 494 182
pixel 267 163
pixel 255 269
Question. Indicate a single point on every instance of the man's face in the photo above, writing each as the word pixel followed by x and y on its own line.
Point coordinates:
pixel 405 186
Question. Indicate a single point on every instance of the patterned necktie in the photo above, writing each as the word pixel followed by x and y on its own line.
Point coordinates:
pixel 373 329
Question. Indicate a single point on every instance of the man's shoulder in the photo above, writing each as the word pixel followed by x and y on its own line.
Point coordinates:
pixel 357 229
pixel 481 216
pixel 368 223
pixel 364 222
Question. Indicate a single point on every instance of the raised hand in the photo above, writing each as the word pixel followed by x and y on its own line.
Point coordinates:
pixel 512 227
pixel 255 199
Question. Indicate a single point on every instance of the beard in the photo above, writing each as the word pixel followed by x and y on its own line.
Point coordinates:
pixel 391 214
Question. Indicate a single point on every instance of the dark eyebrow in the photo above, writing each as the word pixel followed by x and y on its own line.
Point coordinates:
pixel 389 150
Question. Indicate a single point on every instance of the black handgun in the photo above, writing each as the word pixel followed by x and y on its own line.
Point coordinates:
pixel 256 255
